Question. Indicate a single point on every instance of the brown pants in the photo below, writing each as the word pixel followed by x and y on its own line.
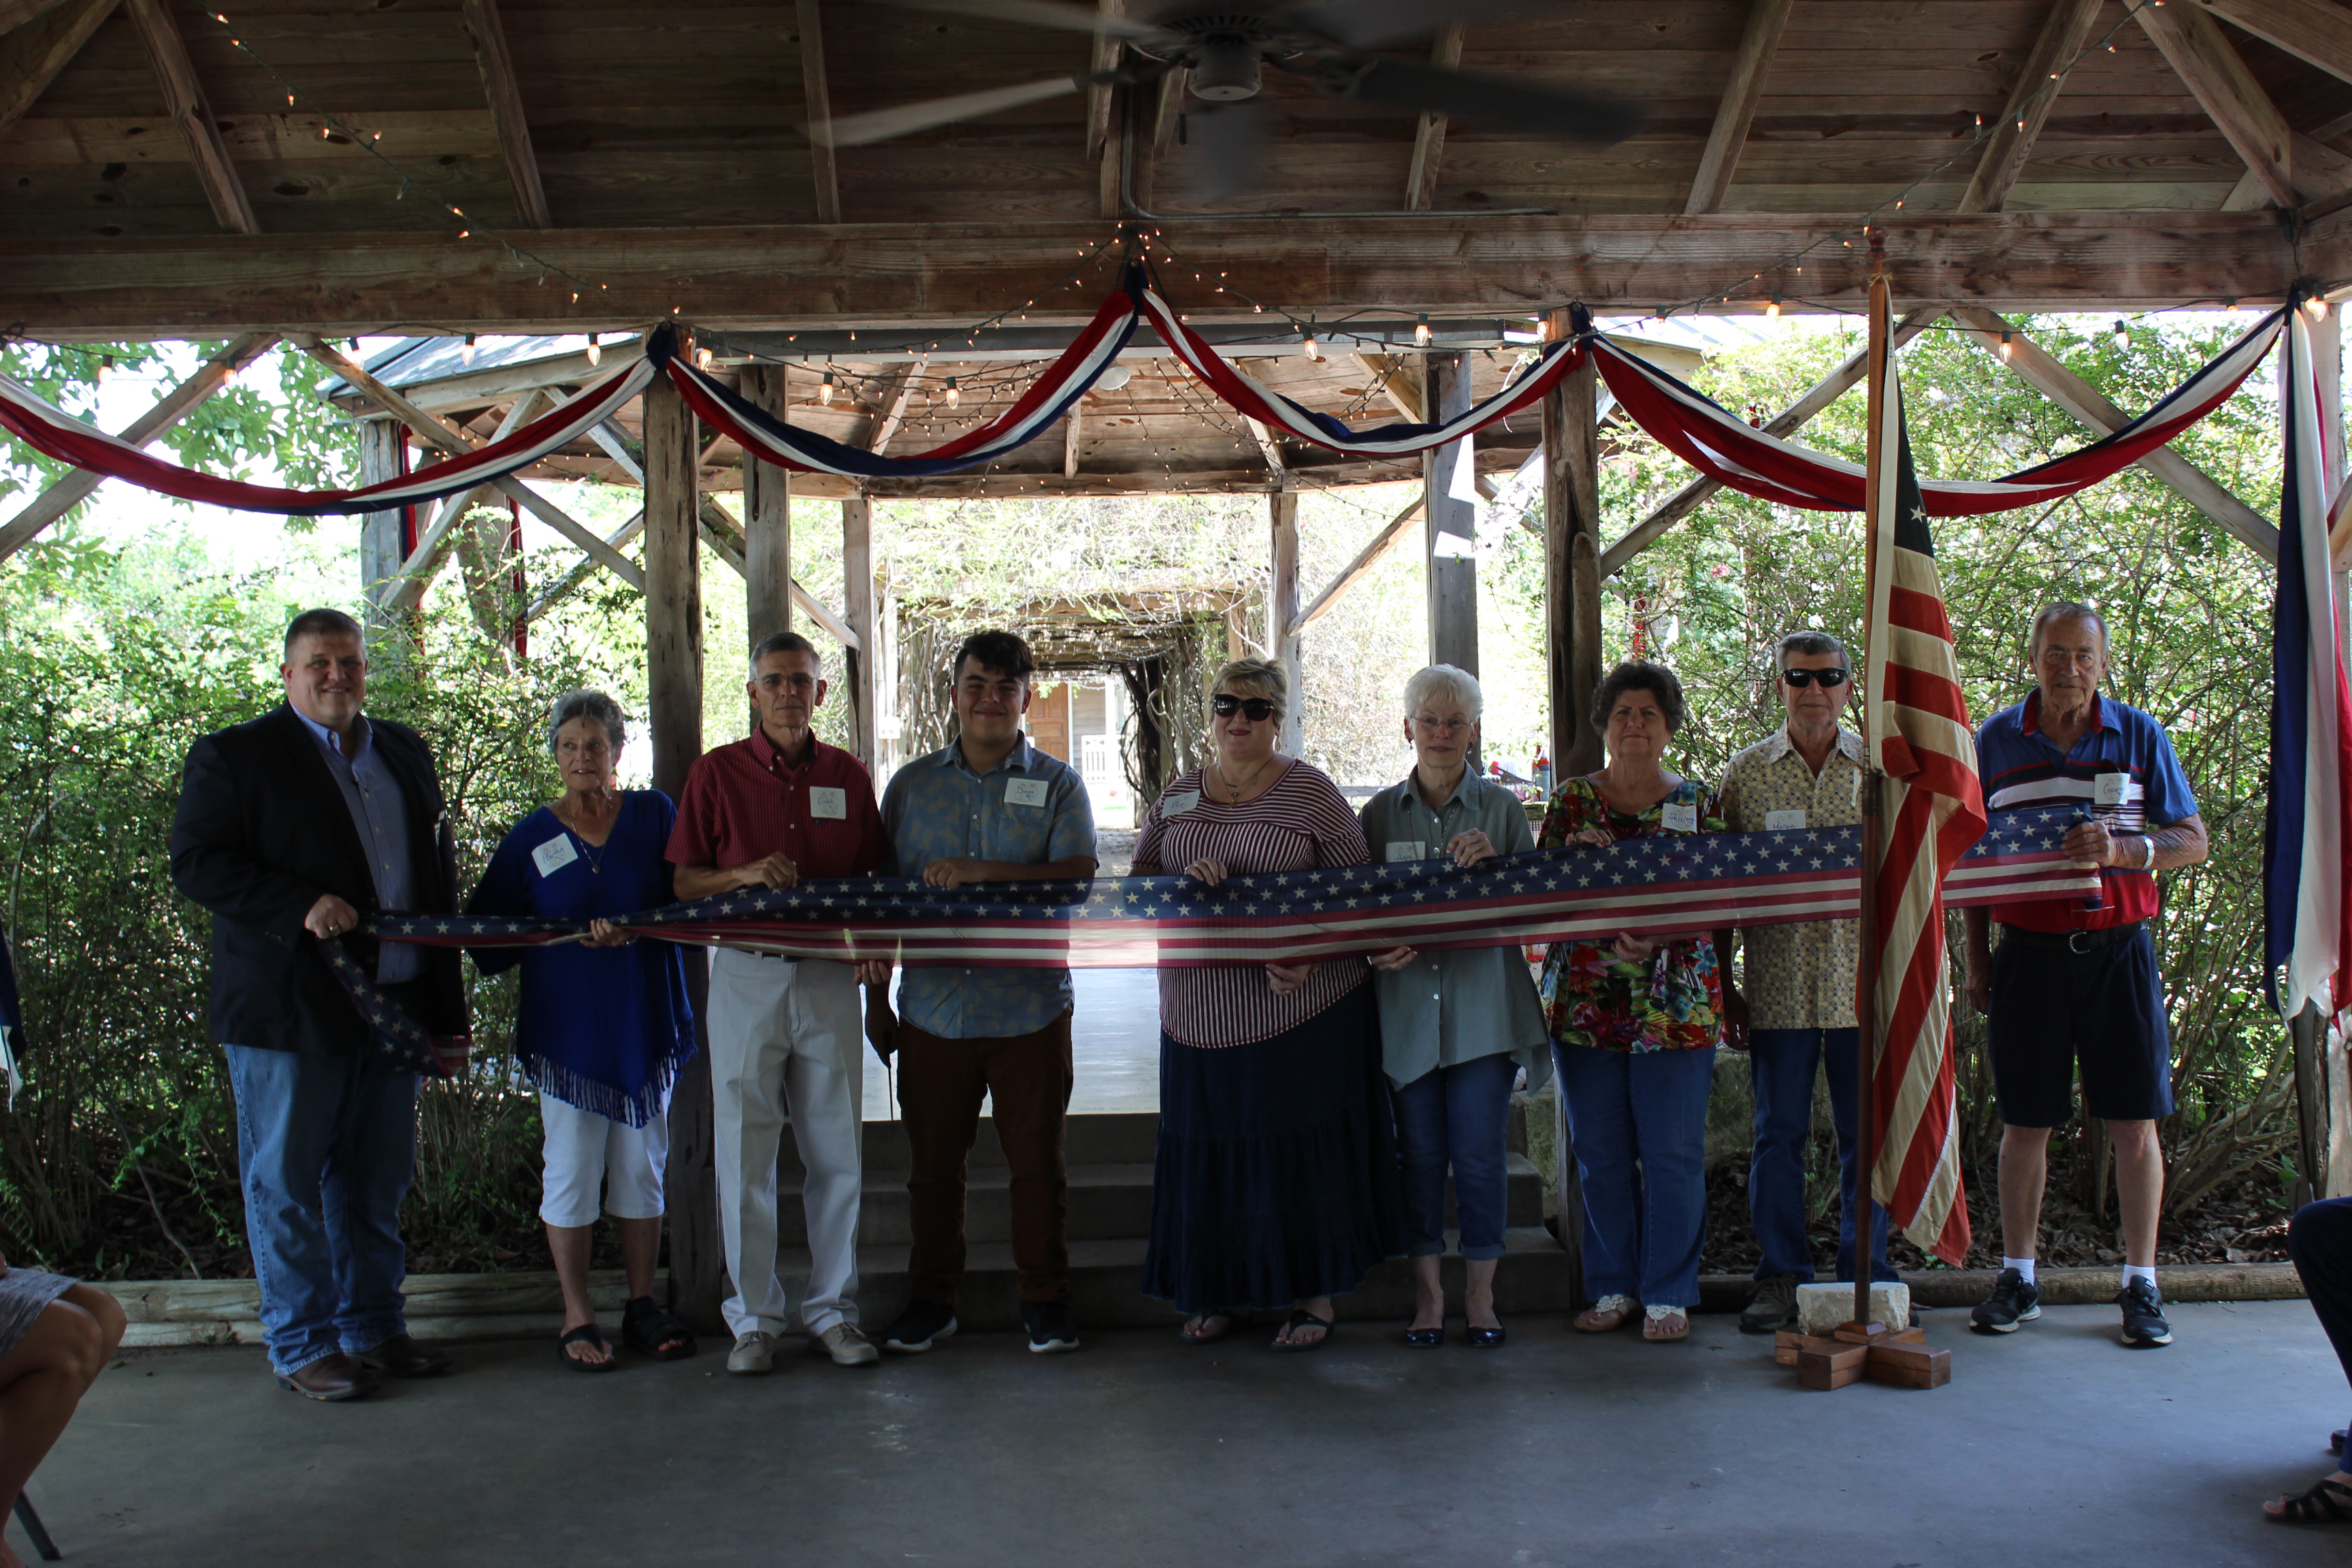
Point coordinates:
pixel 1026 1078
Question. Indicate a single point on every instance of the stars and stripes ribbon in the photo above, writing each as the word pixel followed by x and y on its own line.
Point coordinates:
pixel 1933 810
pixel 411 1046
pixel 1661 886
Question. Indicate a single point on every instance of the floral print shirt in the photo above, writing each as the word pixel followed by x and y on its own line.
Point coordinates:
pixel 1592 997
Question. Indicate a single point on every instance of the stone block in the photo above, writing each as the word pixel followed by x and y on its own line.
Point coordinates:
pixel 1822 1308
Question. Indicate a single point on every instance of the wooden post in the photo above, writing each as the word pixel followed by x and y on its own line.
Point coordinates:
pixel 1281 610
pixel 767 520
pixel 1572 481
pixel 1449 525
pixel 381 545
pixel 1860 1201
pixel 697 1263
pixel 861 668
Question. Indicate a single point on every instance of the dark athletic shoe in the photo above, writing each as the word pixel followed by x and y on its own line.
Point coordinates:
pixel 1051 1327
pixel 2012 1301
pixel 920 1326
pixel 2144 1324
pixel 1774 1306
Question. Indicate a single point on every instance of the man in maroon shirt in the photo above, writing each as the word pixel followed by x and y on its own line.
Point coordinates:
pixel 774 810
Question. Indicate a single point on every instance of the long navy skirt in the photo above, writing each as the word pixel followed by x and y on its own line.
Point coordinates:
pixel 1276 1177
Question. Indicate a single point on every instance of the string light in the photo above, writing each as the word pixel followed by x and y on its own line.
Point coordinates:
pixel 1420 332
pixel 105 363
pixel 702 359
pixel 955 395
pixel 2123 334
pixel 2004 348
pixel 1773 310
pixel 2315 308
pixel 466 350
pixel 595 350
pixel 825 390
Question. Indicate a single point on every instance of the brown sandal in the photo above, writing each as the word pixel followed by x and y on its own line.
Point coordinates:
pixel 1666 1330
pixel 2329 1502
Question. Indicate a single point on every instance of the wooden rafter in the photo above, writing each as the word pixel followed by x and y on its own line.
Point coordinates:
pixel 2041 372
pixel 1356 570
pixel 1071 436
pixel 15 13
pixel 1428 138
pixel 1271 451
pixel 406 588
pixel 501 87
pixel 2210 67
pixel 584 567
pixel 1736 110
pixel 724 535
pixel 1824 392
pixel 890 408
pixel 32 55
pixel 1398 381
pixel 1098 94
pixel 2011 140
pixel 185 96
pixel 170 408
pixel 2319 31
pixel 818 100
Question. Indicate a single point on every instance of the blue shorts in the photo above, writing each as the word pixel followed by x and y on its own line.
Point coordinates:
pixel 2054 1009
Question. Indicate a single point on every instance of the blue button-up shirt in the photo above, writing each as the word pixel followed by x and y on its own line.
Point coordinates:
pixel 936 808
pixel 380 812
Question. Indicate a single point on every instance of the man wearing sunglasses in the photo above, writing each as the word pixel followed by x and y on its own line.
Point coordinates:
pixel 1793 1013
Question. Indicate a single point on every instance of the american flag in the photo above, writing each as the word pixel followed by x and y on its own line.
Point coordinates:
pixel 1933 811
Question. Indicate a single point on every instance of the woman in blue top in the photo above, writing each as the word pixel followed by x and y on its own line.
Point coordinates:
pixel 602 1025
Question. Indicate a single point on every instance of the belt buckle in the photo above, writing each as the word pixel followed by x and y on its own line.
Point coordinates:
pixel 2076 941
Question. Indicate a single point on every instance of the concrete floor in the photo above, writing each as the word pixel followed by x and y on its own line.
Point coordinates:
pixel 2053 1447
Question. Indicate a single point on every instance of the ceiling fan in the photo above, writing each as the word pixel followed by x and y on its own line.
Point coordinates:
pixel 1226 45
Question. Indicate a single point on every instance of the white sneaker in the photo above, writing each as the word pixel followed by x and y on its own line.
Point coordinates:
pixel 753 1353
pixel 845 1344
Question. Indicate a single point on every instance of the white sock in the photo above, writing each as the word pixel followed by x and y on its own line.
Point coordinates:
pixel 2138 1271
pixel 2023 1264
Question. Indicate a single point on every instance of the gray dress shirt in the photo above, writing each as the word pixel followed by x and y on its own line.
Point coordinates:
pixel 380 812
pixel 1446 1008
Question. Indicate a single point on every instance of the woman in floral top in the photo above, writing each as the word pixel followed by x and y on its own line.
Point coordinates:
pixel 1634 1024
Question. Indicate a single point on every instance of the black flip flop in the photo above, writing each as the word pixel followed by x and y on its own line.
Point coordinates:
pixel 1301 1315
pixel 647 1327
pixel 586 1334
pixel 1234 1319
pixel 2329 1502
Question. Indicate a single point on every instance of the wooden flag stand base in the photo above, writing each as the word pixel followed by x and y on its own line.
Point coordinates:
pixel 1858 1350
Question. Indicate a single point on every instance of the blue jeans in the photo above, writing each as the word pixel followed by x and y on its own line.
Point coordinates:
pixel 1782 1063
pixel 1457 1115
pixel 326 1146
pixel 2319 1239
pixel 1639 1123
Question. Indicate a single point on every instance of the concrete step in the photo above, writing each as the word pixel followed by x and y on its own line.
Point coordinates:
pixel 1107 1203
pixel 1107 1284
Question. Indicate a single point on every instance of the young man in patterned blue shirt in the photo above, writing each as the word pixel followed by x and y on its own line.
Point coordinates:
pixel 989 807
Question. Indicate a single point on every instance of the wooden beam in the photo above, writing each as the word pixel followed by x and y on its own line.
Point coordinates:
pixel 1428 138
pixel 2319 31
pixel 2040 371
pixel 1737 110
pixel 1106 46
pixel 857 597
pixel 1449 525
pixel 382 443
pixel 15 13
pixel 32 56
pixel 2030 97
pixel 185 96
pixel 795 277
pixel 1070 438
pixel 1158 136
pixel 889 410
pixel 582 568
pixel 766 517
pixel 1399 382
pixel 174 405
pixel 1571 448
pixel 818 100
pixel 1282 611
pixel 1276 473
pixel 2213 69
pixel 500 86
pixel 405 589
pixel 1110 164
pixel 1356 570
pixel 1692 495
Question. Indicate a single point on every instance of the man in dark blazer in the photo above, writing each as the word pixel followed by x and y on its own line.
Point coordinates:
pixel 290 830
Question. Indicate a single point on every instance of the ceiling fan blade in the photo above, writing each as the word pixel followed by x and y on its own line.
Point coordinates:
pixel 857 130
pixel 1037 13
pixel 1227 141
pixel 1489 101
pixel 1371 24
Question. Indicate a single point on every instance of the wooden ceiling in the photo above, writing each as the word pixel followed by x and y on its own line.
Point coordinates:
pixel 169 174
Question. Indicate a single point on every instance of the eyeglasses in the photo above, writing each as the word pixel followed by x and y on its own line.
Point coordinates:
pixel 1828 677
pixel 1258 709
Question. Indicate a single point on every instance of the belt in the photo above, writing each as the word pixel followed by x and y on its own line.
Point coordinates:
pixel 2073 941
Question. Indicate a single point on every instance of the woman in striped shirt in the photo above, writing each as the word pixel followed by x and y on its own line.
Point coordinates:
pixel 1275 1184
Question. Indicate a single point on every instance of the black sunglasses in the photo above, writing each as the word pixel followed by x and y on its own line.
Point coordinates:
pixel 1225 705
pixel 1826 677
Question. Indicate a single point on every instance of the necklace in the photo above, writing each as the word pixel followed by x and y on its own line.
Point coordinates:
pixel 1232 790
pixel 592 852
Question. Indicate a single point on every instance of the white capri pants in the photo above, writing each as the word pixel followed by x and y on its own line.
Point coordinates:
pixel 585 1151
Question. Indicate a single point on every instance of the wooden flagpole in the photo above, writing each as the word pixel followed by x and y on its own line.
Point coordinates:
pixel 1865 1002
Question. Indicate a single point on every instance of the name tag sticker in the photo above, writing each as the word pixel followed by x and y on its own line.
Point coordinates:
pixel 1408 849
pixel 1680 817
pixel 2108 789
pixel 832 805
pixel 1774 821
pixel 1181 802
pixel 1024 792
pixel 554 855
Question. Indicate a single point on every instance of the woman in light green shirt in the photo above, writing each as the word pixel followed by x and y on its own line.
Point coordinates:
pixel 1455 1028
